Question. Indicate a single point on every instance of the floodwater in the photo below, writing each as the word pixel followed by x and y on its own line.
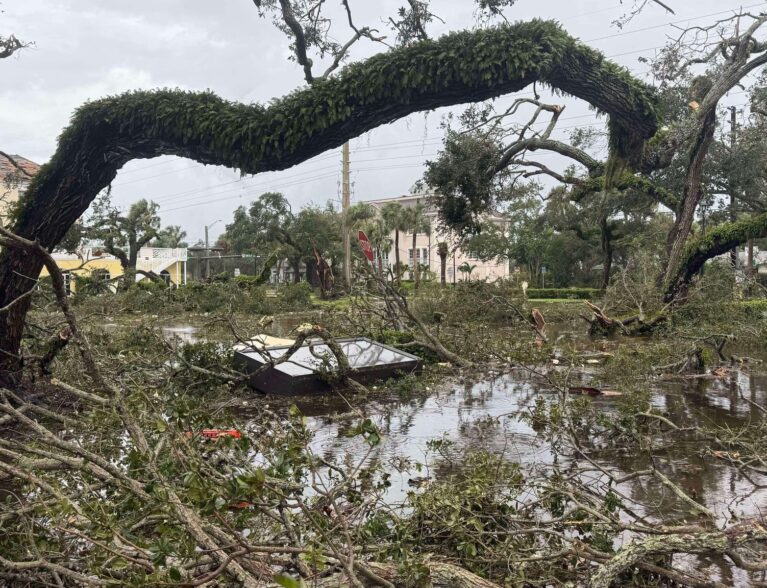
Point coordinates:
pixel 483 412
pixel 281 326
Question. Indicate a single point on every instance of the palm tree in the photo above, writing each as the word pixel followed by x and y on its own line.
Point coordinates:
pixel 416 221
pixel 466 268
pixel 393 216
pixel 379 235
pixel 442 251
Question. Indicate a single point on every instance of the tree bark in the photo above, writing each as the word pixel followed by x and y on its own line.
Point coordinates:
pixel 691 195
pixel 719 542
pixel 607 251
pixel 396 257
pixel 442 268
pixel 106 134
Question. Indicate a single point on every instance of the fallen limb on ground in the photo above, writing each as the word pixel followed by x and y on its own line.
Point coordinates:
pixel 441 575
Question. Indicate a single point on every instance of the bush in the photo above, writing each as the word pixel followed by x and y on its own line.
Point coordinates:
pixel 295 296
pixel 755 308
pixel 248 282
pixel 571 293
pixel 467 301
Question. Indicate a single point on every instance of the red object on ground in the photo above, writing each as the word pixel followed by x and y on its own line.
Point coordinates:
pixel 217 433
pixel 242 504
pixel 367 249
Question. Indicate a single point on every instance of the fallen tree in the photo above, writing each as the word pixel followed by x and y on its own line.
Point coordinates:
pixel 461 67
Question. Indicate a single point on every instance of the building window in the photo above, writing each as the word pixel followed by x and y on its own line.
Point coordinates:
pixel 67 282
pixel 101 275
pixel 423 256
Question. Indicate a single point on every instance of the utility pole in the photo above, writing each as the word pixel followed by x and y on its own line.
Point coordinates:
pixel 207 249
pixel 345 203
pixel 207 255
pixel 733 139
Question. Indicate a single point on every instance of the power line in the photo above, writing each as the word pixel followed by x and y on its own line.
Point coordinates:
pixel 681 21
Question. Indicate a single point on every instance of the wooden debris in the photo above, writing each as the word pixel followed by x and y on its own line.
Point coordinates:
pixel 591 391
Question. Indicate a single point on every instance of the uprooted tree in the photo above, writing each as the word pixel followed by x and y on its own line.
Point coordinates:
pixel 461 67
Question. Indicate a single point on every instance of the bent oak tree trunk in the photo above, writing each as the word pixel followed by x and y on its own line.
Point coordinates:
pixel 691 195
pixel 717 241
pixel 461 67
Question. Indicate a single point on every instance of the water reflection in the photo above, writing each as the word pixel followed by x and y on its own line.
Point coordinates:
pixel 484 414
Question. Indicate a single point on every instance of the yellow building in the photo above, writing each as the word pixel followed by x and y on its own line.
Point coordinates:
pixel 15 174
pixel 92 262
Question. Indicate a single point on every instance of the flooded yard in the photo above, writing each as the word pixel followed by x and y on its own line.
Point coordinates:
pixel 426 434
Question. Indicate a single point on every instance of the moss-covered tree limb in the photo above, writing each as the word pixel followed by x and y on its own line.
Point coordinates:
pixel 461 67
pixel 718 542
pixel 716 241
pixel 627 181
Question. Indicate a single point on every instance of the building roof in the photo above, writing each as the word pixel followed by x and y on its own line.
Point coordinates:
pixel 23 166
pixel 407 199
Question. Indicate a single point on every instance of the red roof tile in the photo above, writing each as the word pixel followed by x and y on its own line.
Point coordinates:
pixel 7 168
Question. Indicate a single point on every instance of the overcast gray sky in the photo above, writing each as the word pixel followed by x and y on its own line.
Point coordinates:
pixel 85 50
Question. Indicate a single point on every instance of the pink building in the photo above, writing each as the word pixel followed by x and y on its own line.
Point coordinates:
pixel 426 245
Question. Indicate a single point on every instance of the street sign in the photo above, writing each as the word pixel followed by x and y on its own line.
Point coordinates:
pixel 367 249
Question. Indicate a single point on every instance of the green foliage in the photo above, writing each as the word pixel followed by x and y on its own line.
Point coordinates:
pixel 460 174
pixel 171 236
pixel 468 301
pixel 467 513
pixel 714 242
pixel 271 225
pixel 755 308
pixel 571 293
pixel 124 234
pixel 295 295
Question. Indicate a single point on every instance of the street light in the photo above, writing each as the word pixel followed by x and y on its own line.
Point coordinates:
pixel 207 249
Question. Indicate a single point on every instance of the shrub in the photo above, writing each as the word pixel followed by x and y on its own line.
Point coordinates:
pixel 755 308
pixel 295 296
pixel 571 293
pixel 248 282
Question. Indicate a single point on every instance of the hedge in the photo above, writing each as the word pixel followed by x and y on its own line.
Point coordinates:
pixel 572 293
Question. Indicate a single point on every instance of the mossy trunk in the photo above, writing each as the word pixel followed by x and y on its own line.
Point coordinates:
pixel 717 241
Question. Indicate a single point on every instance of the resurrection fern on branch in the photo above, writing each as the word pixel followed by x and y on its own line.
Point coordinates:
pixel 457 68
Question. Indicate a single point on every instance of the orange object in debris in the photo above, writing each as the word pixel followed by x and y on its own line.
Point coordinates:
pixel 242 504
pixel 216 433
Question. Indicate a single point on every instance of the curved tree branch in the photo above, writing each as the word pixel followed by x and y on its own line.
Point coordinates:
pixel 700 543
pixel 717 241
pixel 533 144
pixel 461 67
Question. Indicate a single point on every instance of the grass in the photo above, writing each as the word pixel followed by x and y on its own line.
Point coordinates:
pixel 555 300
pixel 335 304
